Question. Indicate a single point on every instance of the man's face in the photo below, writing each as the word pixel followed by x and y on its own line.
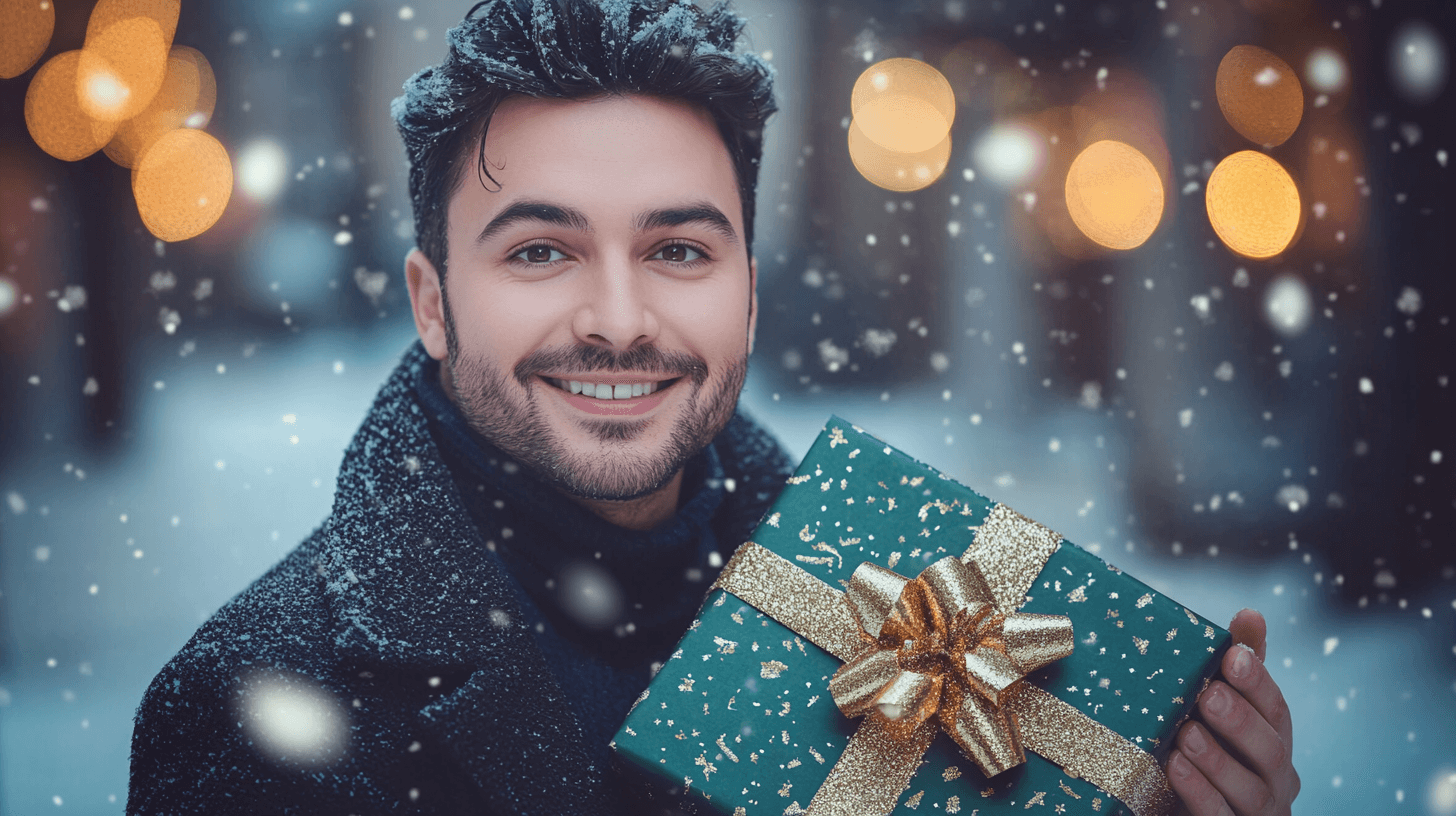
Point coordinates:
pixel 599 304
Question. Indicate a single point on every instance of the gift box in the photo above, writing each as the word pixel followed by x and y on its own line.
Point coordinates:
pixel 891 641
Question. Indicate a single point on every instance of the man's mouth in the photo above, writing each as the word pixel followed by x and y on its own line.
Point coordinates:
pixel 611 391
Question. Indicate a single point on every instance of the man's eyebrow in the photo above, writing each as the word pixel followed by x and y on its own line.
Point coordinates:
pixel 560 216
pixel 696 213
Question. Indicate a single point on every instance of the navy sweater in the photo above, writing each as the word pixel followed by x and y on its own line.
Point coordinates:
pixel 410 657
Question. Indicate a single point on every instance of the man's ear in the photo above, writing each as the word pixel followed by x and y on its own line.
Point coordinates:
pixel 752 301
pixel 427 301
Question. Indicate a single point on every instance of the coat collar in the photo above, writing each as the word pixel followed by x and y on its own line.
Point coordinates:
pixel 410 583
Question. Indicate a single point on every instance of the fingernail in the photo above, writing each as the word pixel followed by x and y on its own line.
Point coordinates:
pixel 1179 766
pixel 1218 701
pixel 1194 742
pixel 1243 663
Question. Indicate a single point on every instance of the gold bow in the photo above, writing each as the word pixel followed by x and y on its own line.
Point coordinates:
pixel 886 751
pixel 942 648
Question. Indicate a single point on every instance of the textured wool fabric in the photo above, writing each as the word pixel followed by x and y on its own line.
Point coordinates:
pixel 395 663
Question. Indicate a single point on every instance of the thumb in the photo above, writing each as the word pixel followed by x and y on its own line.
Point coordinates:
pixel 1248 628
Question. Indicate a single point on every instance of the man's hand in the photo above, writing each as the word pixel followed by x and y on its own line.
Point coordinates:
pixel 1244 766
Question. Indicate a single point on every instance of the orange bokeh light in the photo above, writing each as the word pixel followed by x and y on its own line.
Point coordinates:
pixel 182 184
pixel 27 32
pixel 122 68
pixel 1259 94
pixel 186 99
pixel 903 105
pixel 107 13
pixel 892 170
pixel 1114 195
pixel 53 112
pixel 1253 204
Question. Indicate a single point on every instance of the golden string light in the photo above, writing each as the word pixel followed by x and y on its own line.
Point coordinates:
pixel 1253 204
pixel 186 99
pixel 128 90
pixel 54 114
pixel 27 32
pixel 899 138
pixel 121 69
pixel 182 184
pixel 1259 95
pixel 1114 195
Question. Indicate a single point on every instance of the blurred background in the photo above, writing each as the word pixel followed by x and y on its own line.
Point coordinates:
pixel 1272 431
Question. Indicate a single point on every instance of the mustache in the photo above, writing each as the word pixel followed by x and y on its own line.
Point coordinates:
pixel 648 359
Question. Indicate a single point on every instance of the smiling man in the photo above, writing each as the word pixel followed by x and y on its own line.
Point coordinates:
pixel 542 492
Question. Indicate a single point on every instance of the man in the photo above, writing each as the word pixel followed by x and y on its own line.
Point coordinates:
pixel 549 482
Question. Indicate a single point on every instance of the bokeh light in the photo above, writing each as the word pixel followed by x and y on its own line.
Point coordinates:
pixel 1325 70
pixel 1288 306
pixel 1441 792
pixel 186 99
pixel 590 595
pixel 53 111
pixel 1259 94
pixel 108 13
pixel 26 34
pixel 1010 154
pixel 121 69
pixel 1253 204
pixel 9 295
pixel 1418 62
pixel 182 184
pixel 293 720
pixel 262 169
pixel 903 105
pixel 901 172
pixel 1114 195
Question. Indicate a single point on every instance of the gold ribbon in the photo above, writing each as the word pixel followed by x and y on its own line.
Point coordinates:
pixel 945 651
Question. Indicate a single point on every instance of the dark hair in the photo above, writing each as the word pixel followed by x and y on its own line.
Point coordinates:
pixel 575 49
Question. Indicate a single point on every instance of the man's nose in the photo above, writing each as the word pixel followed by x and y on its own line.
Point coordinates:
pixel 616 308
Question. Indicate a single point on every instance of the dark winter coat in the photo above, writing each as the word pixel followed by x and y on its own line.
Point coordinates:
pixel 401 661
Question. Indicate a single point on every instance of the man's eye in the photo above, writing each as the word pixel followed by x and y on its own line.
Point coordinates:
pixel 540 254
pixel 678 253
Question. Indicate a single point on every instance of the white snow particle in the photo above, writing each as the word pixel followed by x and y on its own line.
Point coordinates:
pixel 343 237
pixel 406 13
pixel 1409 301
pixel 1330 644
pixel 346 18
pixel 42 553
pixel 1185 417
pixel 1366 386
pixel 16 502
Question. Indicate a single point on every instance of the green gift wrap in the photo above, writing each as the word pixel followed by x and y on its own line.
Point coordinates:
pixel 892 642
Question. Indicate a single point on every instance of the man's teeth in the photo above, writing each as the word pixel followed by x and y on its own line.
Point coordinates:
pixel 603 391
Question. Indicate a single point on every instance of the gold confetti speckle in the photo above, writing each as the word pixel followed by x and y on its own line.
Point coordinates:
pixel 708 767
pixel 953 805
pixel 806 535
pixel 819 758
pixel 1146 599
pixel 770 670
pixel 1142 645
pixel 1068 791
pixel 1192 618
pixel 798 480
pixel 836 438
pixel 914 801
pixel 723 746
pixel 1078 595
pixel 738 811
pixel 1036 799
pixel 1172 633
pixel 1096 803
pixel 1208 632
pixel 725 646
pixel 784 791
pixel 686 684
pixel 951 773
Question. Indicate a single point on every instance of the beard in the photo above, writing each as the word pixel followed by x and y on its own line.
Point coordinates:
pixel 502 407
